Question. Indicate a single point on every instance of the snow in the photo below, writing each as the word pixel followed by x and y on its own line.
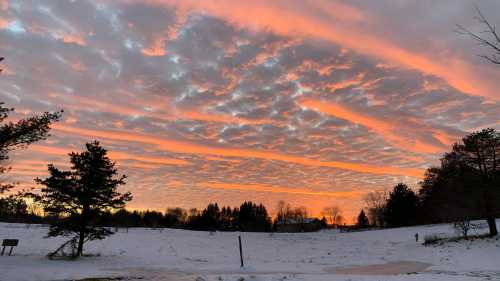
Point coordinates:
pixel 172 254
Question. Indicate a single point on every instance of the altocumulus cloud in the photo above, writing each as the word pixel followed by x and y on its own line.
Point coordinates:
pixel 313 102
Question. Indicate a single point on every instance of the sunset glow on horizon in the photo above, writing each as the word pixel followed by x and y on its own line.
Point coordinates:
pixel 312 102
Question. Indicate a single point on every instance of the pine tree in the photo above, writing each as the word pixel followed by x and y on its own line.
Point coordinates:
pixel 252 217
pixel 20 134
pixel 80 196
pixel 210 217
pixel 402 206
pixel 362 220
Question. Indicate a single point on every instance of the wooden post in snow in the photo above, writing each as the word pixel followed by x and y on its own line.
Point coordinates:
pixel 241 251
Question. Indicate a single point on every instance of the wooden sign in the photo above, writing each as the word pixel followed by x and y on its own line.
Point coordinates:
pixel 9 243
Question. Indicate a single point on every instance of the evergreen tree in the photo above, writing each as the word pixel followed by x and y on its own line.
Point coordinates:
pixel 362 221
pixel 12 207
pixel 210 217
pixel 402 206
pixel 175 217
pixel 227 218
pixel 80 196
pixel 135 219
pixel 467 183
pixel 14 135
pixel 324 223
pixel 122 218
pixel 152 218
pixel 20 134
pixel 253 217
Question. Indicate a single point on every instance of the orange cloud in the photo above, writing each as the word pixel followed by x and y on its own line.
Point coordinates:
pixel 148 159
pixel 4 23
pixel 345 83
pixel 29 172
pixel 157 48
pixel 51 150
pixel 70 38
pixel 78 66
pixel 389 130
pixel 171 114
pixel 114 155
pixel 190 148
pixel 294 19
pixel 143 166
pixel 224 159
pixel 278 189
pixel 221 118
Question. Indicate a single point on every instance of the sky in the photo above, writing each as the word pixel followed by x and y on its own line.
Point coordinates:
pixel 315 103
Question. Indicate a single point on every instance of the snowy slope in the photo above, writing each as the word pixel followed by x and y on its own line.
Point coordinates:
pixel 172 254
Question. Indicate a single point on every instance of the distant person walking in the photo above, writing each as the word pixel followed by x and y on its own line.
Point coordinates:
pixel 416 237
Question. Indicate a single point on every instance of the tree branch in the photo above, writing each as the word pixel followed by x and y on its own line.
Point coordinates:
pixel 491 43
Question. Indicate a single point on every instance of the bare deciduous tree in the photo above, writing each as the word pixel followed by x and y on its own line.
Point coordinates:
pixel 284 212
pixel 376 202
pixel 487 38
pixel 333 215
pixel 463 226
pixel 300 214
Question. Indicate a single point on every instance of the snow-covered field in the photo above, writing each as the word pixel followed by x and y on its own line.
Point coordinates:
pixel 170 254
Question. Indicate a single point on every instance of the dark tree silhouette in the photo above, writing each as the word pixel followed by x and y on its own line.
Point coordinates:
pixel 375 204
pixel 175 217
pixel 448 193
pixel 472 170
pixel 284 212
pixel 20 134
pixel 210 217
pixel 12 208
pixel 227 218
pixel 80 196
pixel 362 221
pixel 152 219
pixel 488 38
pixel 248 217
pixel 402 206
pixel 252 217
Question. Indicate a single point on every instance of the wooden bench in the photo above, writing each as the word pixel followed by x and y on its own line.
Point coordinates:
pixel 9 243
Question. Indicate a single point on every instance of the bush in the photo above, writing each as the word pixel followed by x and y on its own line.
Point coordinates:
pixel 463 227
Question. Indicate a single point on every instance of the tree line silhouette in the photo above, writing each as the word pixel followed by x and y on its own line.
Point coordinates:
pixel 248 217
pixel 465 186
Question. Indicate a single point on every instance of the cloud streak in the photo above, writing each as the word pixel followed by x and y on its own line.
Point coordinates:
pixel 387 128
pixel 191 148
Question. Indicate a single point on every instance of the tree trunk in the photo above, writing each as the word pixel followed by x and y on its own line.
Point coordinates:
pixel 492 225
pixel 80 244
